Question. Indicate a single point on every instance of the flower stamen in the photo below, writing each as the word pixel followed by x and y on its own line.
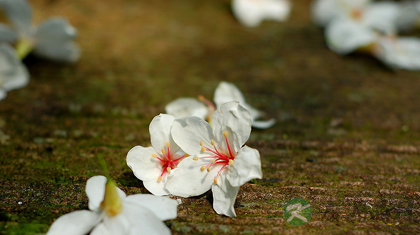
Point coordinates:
pixel 219 157
pixel 167 163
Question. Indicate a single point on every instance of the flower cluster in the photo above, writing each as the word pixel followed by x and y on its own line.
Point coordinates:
pixel 53 39
pixel 371 27
pixel 189 156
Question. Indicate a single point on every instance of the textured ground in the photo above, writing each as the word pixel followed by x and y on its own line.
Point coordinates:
pixel 347 138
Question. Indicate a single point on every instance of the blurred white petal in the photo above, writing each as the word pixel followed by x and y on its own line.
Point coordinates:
pixel 402 52
pixel 7 34
pixel 184 107
pixel 20 14
pixel 13 74
pixel 344 36
pixel 250 12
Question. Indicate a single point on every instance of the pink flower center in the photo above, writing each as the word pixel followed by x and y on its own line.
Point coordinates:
pixel 168 161
pixel 220 157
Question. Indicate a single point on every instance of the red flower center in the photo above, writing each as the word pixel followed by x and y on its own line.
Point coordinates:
pixel 220 157
pixel 168 161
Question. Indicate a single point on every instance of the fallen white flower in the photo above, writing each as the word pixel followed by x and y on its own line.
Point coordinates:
pixel 112 213
pixel 219 160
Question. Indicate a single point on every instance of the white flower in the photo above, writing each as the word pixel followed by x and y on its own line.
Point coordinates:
pixel 153 164
pixel 53 39
pixel 225 92
pixel 219 160
pixel 251 12
pixel 401 52
pixel 112 213
pixel 13 74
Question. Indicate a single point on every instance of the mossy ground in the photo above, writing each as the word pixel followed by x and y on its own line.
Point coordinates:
pixel 347 137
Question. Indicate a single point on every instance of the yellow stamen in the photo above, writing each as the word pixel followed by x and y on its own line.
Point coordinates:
pixel 212 142
pixel 203 149
pixel 186 155
pixel 200 97
pixel 195 158
pixel 202 168
pixel 154 156
pixel 208 169
pixel 213 161
pixel 168 145
pixel 215 180
pixel 225 134
pixel 163 151
pixel 160 178
pixel 231 162
pixel 169 169
pixel 201 143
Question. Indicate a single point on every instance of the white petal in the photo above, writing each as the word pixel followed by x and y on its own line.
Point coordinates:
pixel 74 223
pixel 277 10
pixel 189 180
pixel 163 208
pixel 55 30
pixel 133 217
pixel 184 107
pixel 116 225
pixel 13 74
pixel 7 34
pixel 264 124
pixel 3 94
pixel 323 11
pixel 226 92
pixel 187 132
pixel 19 13
pixel 247 13
pixel 100 229
pixel 224 196
pixel 382 16
pixel 408 16
pixel 403 52
pixel 160 133
pixel 142 220
pixel 345 36
pixel 236 120
pixel 250 13
pixel 157 188
pixel 246 166
pixel 95 190
pixel 68 52
pixel 145 167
